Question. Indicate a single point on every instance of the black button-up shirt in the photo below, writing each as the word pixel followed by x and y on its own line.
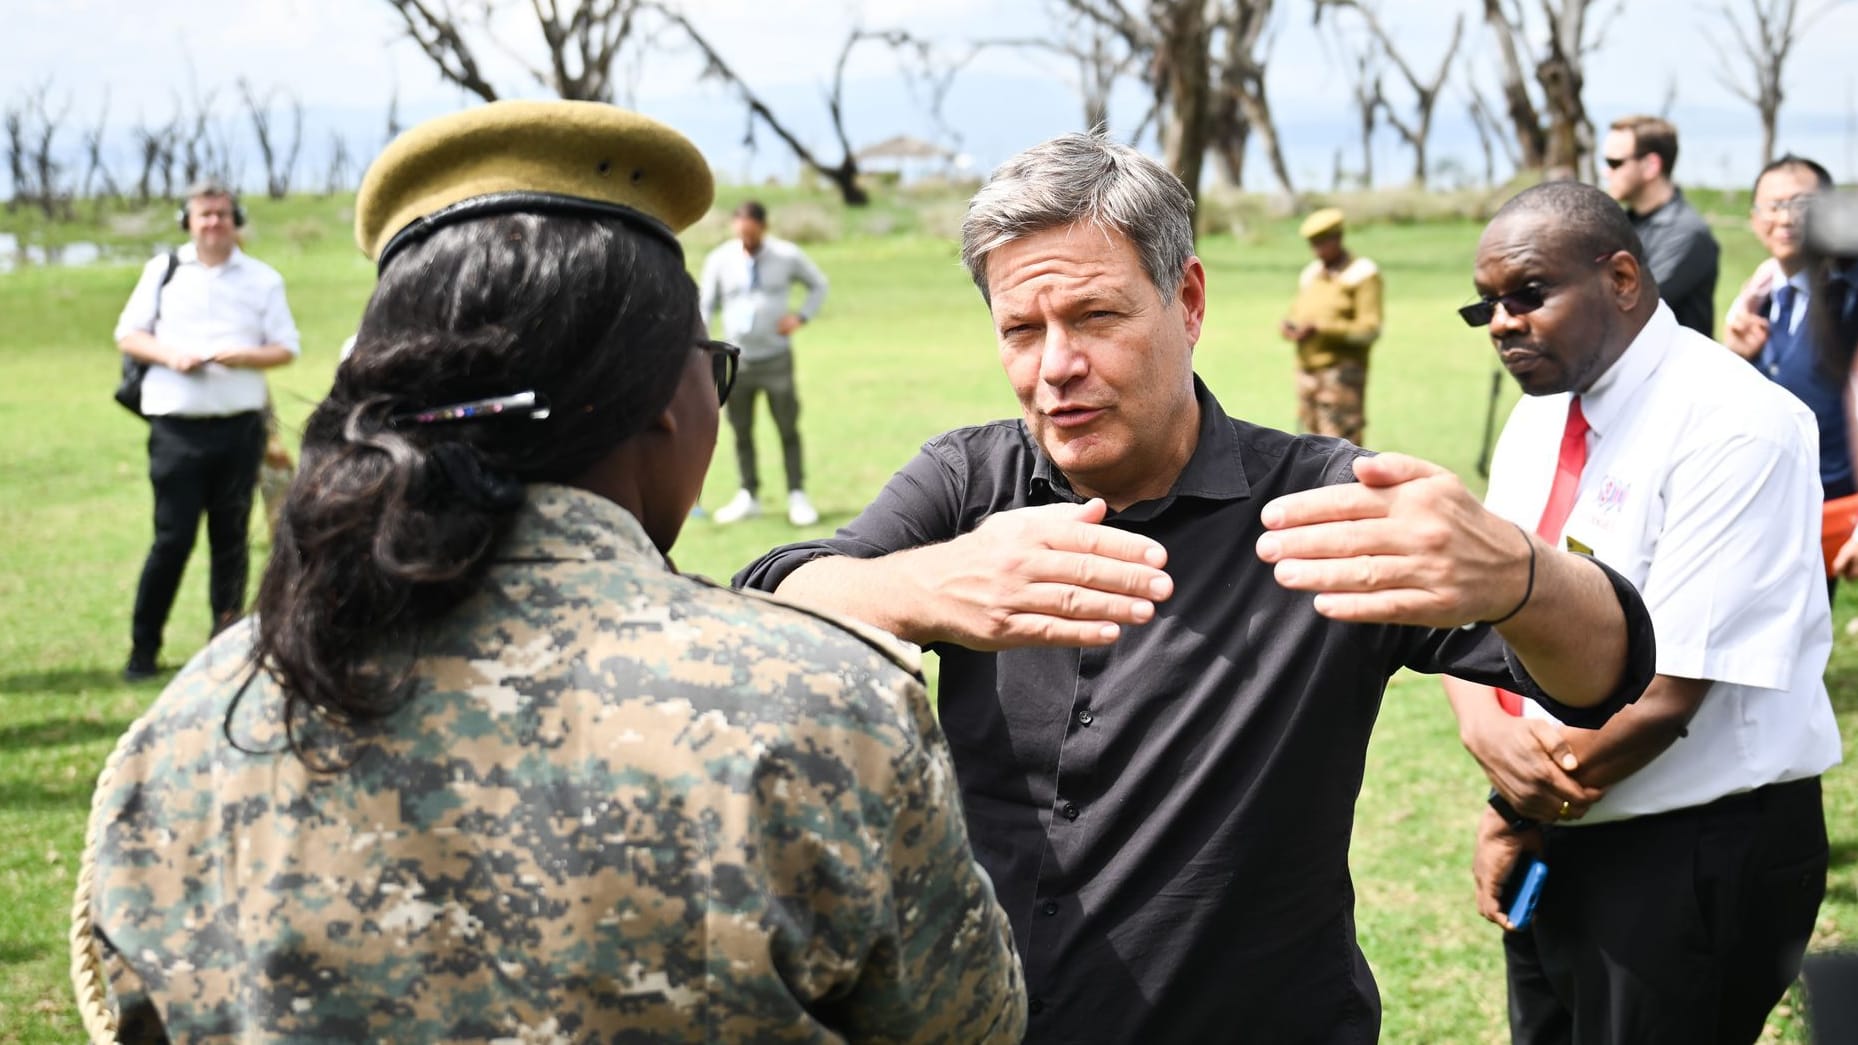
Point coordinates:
pixel 1166 820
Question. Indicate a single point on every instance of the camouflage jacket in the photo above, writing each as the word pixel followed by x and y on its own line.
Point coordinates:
pixel 622 805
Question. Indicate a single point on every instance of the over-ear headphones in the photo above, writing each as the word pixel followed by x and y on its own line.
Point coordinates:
pixel 238 211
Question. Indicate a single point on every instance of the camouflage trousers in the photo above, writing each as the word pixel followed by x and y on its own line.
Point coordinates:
pixel 1329 401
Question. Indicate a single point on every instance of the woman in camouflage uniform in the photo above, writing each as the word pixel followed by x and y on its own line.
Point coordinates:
pixel 483 766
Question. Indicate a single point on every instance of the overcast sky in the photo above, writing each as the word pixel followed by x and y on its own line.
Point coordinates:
pixel 344 58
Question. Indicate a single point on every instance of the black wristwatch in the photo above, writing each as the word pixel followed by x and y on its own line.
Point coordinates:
pixel 1517 821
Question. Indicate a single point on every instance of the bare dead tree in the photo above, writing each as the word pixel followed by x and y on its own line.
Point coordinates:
pixel 1490 134
pixel 15 121
pixel 1101 60
pixel 339 176
pixel 1183 74
pixel 152 143
pixel 1243 24
pixel 280 160
pixel 581 39
pixel 98 184
pixel 436 29
pixel 930 72
pixel 1417 130
pixel 393 113
pixel 41 121
pixel 1762 45
pixel 193 148
pixel 1558 132
pixel 1363 69
pixel 1205 62
pixel 844 174
pixel 1531 137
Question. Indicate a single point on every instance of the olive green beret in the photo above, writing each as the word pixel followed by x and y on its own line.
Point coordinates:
pixel 1322 223
pixel 557 157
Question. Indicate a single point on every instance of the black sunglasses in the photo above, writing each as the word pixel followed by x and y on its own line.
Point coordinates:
pixel 1519 302
pixel 1614 163
pixel 725 359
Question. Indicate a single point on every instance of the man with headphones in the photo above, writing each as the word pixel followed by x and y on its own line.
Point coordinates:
pixel 207 333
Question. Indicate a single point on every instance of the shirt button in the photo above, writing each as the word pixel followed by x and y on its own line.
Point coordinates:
pixel 1070 811
pixel 1084 717
pixel 1049 908
pixel 1036 1006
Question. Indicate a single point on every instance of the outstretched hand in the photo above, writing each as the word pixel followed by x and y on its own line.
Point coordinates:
pixel 1052 575
pixel 1405 544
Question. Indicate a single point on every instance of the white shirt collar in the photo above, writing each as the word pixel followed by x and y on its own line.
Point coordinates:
pixel 1613 390
pixel 190 255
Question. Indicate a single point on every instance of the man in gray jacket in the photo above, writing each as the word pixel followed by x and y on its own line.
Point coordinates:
pixel 751 279
pixel 1640 153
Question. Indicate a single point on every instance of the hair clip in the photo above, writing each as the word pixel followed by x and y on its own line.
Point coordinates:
pixel 536 406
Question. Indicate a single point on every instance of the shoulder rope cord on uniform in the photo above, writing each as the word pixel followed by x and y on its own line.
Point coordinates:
pixel 88 977
pixel 1527 590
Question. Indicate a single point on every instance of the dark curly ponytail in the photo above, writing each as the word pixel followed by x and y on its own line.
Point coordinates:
pixel 389 524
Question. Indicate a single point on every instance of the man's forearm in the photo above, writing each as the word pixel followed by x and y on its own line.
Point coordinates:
pixel 1639 733
pixel 141 346
pixel 1571 633
pixel 257 357
pixel 883 592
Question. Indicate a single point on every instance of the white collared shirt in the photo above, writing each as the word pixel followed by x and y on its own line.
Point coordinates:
pixel 206 309
pixel 753 292
pixel 1702 488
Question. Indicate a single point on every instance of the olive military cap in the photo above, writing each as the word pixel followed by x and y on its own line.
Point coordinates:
pixel 1324 222
pixel 560 157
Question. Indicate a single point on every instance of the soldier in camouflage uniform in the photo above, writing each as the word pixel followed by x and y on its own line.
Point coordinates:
pixel 1334 320
pixel 540 787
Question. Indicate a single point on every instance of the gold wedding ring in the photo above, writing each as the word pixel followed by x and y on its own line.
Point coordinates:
pixel 1564 809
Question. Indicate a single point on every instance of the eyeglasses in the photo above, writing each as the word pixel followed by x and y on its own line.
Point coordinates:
pixel 1519 302
pixel 725 359
pixel 1614 163
pixel 1794 205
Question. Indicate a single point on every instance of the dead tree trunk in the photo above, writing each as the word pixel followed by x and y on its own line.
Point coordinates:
pixel 844 174
pixel 1525 121
pixel 1416 131
pixel 280 160
pixel 1763 46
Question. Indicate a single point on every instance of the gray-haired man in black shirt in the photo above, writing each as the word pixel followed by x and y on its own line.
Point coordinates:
pixel 1159 731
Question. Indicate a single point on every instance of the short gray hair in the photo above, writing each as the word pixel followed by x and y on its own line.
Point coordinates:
pixel 1083 178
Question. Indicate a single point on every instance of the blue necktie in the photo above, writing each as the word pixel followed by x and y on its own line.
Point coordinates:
pixel 1782 341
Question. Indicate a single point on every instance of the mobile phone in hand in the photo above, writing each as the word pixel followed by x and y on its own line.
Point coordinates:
pixel 1522 889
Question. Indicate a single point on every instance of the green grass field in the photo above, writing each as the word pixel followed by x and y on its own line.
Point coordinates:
pixel 902 352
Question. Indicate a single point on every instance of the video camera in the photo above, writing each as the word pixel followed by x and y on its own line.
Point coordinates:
pixel 1832 225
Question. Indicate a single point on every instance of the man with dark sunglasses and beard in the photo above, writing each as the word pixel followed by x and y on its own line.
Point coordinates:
pixel 1685 839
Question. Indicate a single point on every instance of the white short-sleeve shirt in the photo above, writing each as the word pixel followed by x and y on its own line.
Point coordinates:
pixel 205 309
pixel 1702 487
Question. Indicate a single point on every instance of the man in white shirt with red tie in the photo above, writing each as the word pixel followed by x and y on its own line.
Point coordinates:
pixel 1685 839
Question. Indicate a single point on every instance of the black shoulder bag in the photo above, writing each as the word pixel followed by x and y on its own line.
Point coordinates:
pixel 129 389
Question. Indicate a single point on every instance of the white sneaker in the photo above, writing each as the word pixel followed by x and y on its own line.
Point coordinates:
pixel 800 511
pixel 741 506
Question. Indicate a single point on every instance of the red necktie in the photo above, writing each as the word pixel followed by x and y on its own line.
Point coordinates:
pixel 1561 495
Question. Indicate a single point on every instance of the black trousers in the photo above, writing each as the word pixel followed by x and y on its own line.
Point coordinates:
pixel 204 465
pixel 1684 927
